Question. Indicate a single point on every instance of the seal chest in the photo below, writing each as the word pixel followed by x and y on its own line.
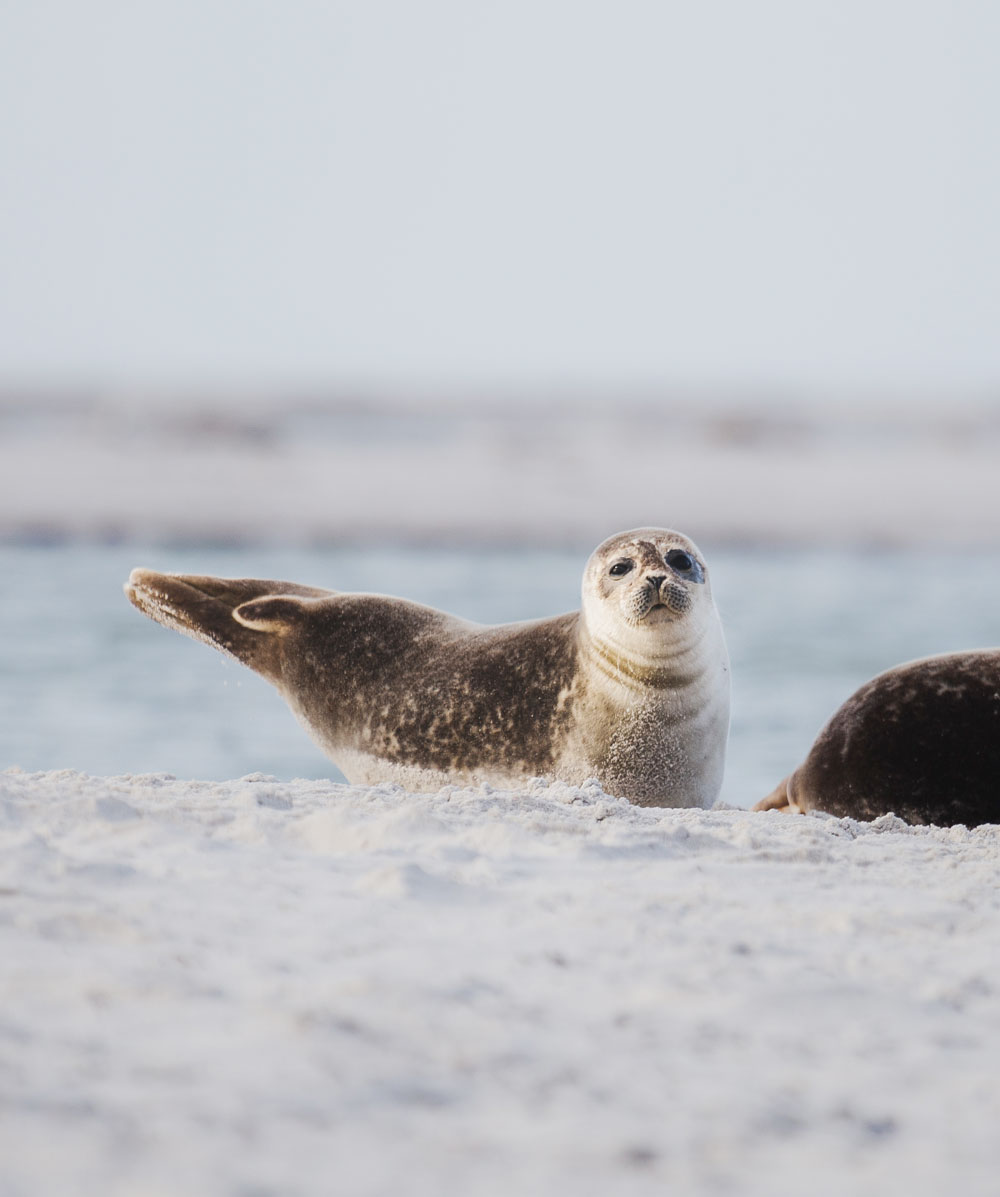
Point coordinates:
pixel 633 689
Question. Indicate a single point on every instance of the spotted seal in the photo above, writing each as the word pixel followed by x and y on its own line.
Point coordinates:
pixel 921 741
pixel 633 689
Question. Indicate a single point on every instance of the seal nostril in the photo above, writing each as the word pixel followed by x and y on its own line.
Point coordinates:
pixel 658 580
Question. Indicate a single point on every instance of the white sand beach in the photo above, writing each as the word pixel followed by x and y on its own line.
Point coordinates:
pixel 257 987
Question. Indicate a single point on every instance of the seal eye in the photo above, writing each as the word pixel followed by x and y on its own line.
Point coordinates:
pixel 619 568
pixel 679 560
pixel 684 564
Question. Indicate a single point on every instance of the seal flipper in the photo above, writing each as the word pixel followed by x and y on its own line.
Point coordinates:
pixel 205 608
pixel 273 613
pixel 780 799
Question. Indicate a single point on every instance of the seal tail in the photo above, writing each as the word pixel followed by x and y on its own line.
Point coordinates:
pixel 212 610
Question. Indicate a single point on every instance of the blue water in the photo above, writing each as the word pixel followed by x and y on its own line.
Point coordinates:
pixel 88 683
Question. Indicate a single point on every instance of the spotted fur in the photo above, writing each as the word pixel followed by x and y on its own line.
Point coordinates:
pixel 633 689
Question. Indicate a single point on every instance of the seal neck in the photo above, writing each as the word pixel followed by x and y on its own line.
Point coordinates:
pixel 674 665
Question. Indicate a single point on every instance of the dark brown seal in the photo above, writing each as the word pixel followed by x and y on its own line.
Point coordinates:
pixel 921 741
pixel 633 689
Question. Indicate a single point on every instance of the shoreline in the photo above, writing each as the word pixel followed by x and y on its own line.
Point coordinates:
pixel 499 477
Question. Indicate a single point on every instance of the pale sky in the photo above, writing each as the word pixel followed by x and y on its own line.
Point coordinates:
pixel 777 193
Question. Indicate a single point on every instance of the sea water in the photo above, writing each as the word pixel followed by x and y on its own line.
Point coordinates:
pixel 88 683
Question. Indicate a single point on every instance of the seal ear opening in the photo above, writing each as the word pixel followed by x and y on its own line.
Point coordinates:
pixel 272 613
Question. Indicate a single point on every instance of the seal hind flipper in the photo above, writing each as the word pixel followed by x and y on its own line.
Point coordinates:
pixel 272 613
pixel 779 799
pixel 205 608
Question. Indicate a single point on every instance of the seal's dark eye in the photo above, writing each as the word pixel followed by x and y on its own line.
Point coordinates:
pixel 619 568
pixel 679 560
